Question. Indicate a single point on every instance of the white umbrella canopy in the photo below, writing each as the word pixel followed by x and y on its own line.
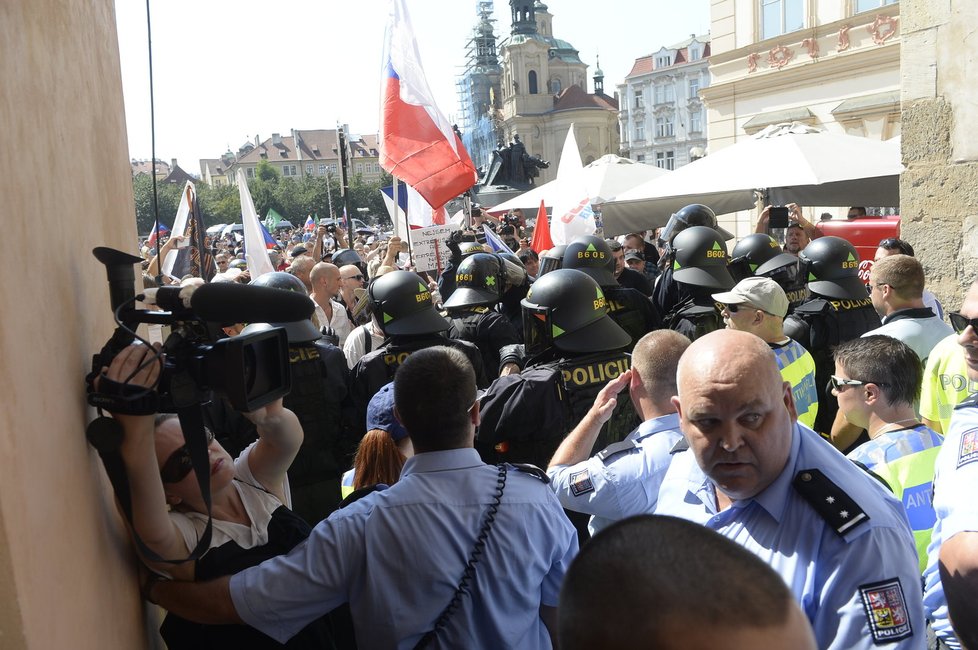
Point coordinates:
pixel 791 162
pixel 605 178
pixel 216 229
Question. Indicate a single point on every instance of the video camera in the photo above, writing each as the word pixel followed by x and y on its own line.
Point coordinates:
pixel 249 370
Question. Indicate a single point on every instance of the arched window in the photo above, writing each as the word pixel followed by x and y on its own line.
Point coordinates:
pixel 533 82
pixel 555 85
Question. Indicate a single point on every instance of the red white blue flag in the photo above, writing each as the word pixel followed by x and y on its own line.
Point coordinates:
pixel 310 223
pixel 417 142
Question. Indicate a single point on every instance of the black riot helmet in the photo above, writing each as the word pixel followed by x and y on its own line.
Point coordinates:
pixel 831 266
pixel 758 254
pixel 701 258
pixel 566 309
pixel 401 303
pixel 552 259
pixel 593 256
pixel 694 214
pixel 346 256
pixel 482 279
pixel 302 331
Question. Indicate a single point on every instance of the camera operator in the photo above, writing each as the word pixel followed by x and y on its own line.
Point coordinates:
pixel 251 520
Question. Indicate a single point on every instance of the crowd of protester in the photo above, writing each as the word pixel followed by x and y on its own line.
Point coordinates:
pixel 685 447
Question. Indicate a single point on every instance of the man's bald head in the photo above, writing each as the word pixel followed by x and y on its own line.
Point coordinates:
pixel 728 355
pixel 325 279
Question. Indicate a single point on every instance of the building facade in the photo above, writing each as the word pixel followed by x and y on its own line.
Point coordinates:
pixel 830 64
pixel 662 119
pixel 543 92
pixel 312 152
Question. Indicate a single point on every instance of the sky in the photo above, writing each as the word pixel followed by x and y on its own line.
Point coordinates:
pixel 225 71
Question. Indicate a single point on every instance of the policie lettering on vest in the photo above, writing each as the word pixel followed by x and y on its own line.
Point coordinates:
pixel 599 372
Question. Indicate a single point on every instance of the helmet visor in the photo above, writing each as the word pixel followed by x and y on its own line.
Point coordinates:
pixel 514 275
pixel 537 333
pixel 672 228
pixel 548 264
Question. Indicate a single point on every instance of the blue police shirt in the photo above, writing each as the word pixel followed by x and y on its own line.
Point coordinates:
pixel 859 588
pixel 955 480
pixel 621 480
pixel 397 557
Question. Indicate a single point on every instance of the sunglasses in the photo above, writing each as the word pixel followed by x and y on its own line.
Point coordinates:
pixel 960 323
pixel 734 308
pixel 838 383
pixel 179 464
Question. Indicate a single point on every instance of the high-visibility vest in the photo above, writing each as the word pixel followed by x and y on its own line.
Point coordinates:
pixel 798 369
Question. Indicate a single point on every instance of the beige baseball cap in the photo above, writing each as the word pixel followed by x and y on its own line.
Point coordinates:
pixel 763 293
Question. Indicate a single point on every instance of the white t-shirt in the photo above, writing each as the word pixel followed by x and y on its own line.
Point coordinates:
pixel 339 323
pixel 356 344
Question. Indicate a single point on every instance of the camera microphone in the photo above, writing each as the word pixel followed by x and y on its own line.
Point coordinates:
pixel 227 302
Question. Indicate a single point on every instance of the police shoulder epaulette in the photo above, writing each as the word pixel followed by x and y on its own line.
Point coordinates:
pixel 834 506
pixel 532 470
pixel 681 445
pixel 968 403
pixel 616 448
pixel 813 306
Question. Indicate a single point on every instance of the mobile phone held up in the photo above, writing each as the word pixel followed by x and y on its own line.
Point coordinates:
pixel 778 217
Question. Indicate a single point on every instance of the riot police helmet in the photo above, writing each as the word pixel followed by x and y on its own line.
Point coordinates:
pixel 831 265
pixel 238 263
pixel 479 281
pixel 302 331
pixel 694 214
pixel 473 247
pixel 593 256
pixel 758 254
pixel 401 303
pixel 552 259
pixel 567 309
pixel 346 256
pixel 701 258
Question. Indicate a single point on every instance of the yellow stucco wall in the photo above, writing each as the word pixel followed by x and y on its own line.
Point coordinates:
pixel 65 568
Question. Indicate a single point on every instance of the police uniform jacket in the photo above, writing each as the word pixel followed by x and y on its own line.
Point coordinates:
pixel 821 323
pixel 955 483
pixel 632 310
pixel 376 369
pixel 632 279
pixel 621 480
pixel 488 330
pixel 524 417
pixel 397 555
pixel 839 540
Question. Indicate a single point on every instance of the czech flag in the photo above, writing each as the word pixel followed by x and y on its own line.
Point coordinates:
pixel 152 235
pixel 269 242
pixel 310 223
pixel 417 143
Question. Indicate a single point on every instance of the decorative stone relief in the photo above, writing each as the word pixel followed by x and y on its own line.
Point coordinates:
pixel 752 62
pixel 811 44
pixel 843 39
pixel 883 29
pixel 779 56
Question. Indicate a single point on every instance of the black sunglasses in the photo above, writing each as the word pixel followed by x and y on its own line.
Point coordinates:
pixel 179 464
pixel 960 323
pixel 733 308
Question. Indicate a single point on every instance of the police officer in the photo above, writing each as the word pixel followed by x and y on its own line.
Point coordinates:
pixel 628 307
pixel 459 250
pixel 666 294
pixel 838 310
pixel 574 349
pixel 699 268
pixel 319 378
pixel 481 279
pixel 402 309
pixel 761 255
pixel 552 259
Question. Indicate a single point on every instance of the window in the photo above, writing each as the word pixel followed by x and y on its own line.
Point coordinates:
pixel 694 87
pixel 696 121
pixel 309 169
pixel 640 131
pixel 670 160
pixel 781 17
pixel 250 172
pixel 533 82
pixel 663 61
pixel 640 158
pixel 358 169
pixel 665 93
pixel 868 5
pixel 289 170
pixel 322 170
pixel 639 100
pixel 666 160
pixel 664 127
pixel 332 168
pixel 694 53
pixel 555 86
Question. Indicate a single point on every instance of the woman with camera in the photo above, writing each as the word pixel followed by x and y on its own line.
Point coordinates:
pixel 249 498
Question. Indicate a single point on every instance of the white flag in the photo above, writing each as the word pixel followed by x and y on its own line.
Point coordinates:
pixel 179 226
pixel 254 241
pixel 572 214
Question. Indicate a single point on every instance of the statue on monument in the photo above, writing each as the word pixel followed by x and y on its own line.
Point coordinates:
pixel 512 165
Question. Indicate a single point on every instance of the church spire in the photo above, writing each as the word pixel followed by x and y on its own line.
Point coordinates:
pixel 524 16
pixel 598 77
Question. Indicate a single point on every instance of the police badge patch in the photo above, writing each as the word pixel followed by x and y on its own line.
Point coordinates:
pixel 886 611
pixel 580 483
pixel 968 450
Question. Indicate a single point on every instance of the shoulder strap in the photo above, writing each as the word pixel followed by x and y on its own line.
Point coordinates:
pixel 615 449
pixel 532 470
pixel 968 403
pixel 469 573
pixel 681 445
pixel 834 506
pixel 368 340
